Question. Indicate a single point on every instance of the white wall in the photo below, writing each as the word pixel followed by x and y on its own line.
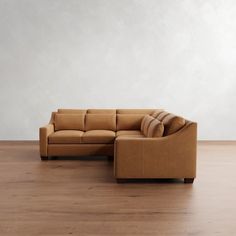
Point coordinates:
pixel 175 54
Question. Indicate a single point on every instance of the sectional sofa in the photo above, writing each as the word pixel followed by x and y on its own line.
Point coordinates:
pixel 145 143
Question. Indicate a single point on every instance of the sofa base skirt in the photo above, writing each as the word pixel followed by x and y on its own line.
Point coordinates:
pixel 80 149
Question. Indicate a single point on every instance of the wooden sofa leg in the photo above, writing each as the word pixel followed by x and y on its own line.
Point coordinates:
pixel 188 180
pixel 120 181
pixel 44 158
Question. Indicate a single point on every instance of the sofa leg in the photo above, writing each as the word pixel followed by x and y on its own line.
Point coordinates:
pixel 121 181
pixel 44 158
pixel 188 180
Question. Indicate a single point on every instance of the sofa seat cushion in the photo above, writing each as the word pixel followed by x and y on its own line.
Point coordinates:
pixel 98 136
pixel 65 137
pixel 134 136
pixel 128 132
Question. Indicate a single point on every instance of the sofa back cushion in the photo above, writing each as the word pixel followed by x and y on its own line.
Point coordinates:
pixel 69 121
pixel 172 124
pixel 129 121
pixel 146 123
pixel 101 111
pixel 135 111
pixel 155 129
pixel 100 122
pixel 72 111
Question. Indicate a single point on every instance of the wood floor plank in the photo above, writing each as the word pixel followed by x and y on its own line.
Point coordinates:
pixel 80 196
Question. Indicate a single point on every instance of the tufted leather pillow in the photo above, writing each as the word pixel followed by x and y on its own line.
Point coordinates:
pixel 162 115
pixel 143 122
pixel 172 124
pixel 146 122
pixel 155 129
pixel 157 112
pixel 69 121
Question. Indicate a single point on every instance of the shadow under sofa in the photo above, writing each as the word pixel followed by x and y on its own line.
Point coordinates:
pixel 145 143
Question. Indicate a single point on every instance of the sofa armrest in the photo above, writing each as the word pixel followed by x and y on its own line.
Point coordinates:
pixel 172 156
pixel 44 132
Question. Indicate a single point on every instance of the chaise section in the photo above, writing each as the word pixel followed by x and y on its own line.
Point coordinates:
pixel 65 137
pixel 99 136
pixel 173 156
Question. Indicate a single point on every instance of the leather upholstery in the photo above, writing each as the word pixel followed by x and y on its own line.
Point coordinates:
pixel 130 136
pixel 162 115
pixel 44 132
pixel 128 132
pixel 157 112
pixel 72 111
pixel 98 136
pixel 146 124
pixel 135 111
pixel 172 124
pixel 69 121
pixel 129 121
pixel 144 120
pixel 101 111
pixel 65 136
pixel 100 122
pixel 80 149
pixel 172 156
pixel 139 149
pixel 155 129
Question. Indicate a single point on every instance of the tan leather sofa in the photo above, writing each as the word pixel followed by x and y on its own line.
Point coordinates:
pixel 145 143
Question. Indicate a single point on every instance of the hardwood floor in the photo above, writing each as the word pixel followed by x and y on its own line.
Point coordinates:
pixel 81 197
